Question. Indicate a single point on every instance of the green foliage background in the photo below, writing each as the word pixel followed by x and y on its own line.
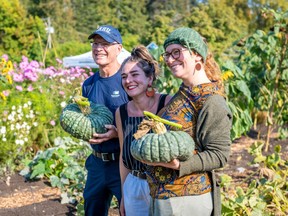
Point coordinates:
pixel 224 23
pixel 246 42
pixel 23 22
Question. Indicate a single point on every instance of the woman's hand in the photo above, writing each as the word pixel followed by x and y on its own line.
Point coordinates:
pixel 174 164
pixel 110 134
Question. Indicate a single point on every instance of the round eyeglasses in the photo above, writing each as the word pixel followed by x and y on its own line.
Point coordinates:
pixel 175 53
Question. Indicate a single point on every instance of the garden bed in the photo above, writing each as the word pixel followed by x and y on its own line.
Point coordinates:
pixel 18 197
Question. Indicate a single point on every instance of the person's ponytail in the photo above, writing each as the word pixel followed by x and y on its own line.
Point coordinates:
pixel 213 72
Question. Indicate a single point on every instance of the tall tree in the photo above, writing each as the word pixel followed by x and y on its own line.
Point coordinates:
pixel 20 35
pixel 89 14
pixel 259 21
pixel 133 21
pixel 155 6
pixel 61 16
pixel 130 17
pixel 220 29
pixel 161 25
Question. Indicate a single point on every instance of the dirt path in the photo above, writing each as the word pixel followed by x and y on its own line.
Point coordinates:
pixel 18 197
pixel 37 198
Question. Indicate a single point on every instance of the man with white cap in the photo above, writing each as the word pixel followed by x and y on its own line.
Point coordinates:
pixel 104 87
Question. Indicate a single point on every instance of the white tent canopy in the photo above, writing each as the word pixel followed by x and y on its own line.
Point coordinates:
pixel 86 59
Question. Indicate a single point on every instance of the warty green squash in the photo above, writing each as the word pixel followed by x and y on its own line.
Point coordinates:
pixel 161 145
pixel 81 118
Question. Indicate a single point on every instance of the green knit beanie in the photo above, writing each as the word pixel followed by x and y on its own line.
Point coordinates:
pixel 188 38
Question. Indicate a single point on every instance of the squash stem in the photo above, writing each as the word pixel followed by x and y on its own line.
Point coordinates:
pixel 159 128
pixel 82 102
pixel 164 121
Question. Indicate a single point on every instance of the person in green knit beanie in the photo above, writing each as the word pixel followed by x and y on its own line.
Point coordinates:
pixel 185 188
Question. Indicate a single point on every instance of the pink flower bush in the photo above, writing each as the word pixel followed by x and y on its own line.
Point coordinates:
pixel 49 71
pixel 17 77
pixel 5 56
pixel 34 64
pixel 59 61
pixel 30 74
pixel 27 74
pixel 6 93
pixel 19 88
pixel 30 88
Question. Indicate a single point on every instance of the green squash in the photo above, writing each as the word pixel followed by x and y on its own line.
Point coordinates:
pixel 82 118
pixel 162 145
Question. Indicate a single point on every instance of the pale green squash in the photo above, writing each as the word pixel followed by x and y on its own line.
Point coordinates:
pixel 162 145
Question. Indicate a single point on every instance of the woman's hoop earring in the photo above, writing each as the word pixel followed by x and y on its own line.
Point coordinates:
pixel 150 92
pixel 198 66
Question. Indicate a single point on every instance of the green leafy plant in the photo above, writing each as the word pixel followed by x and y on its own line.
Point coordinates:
pixel 31 108
pixel 16 127
pixel 238 98
pixel 63 165
pixel 266 191
pixel 166 82
pixel 20 32
pixel 264 61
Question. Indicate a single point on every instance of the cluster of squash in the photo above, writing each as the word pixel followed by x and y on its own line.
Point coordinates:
pixel 82 118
